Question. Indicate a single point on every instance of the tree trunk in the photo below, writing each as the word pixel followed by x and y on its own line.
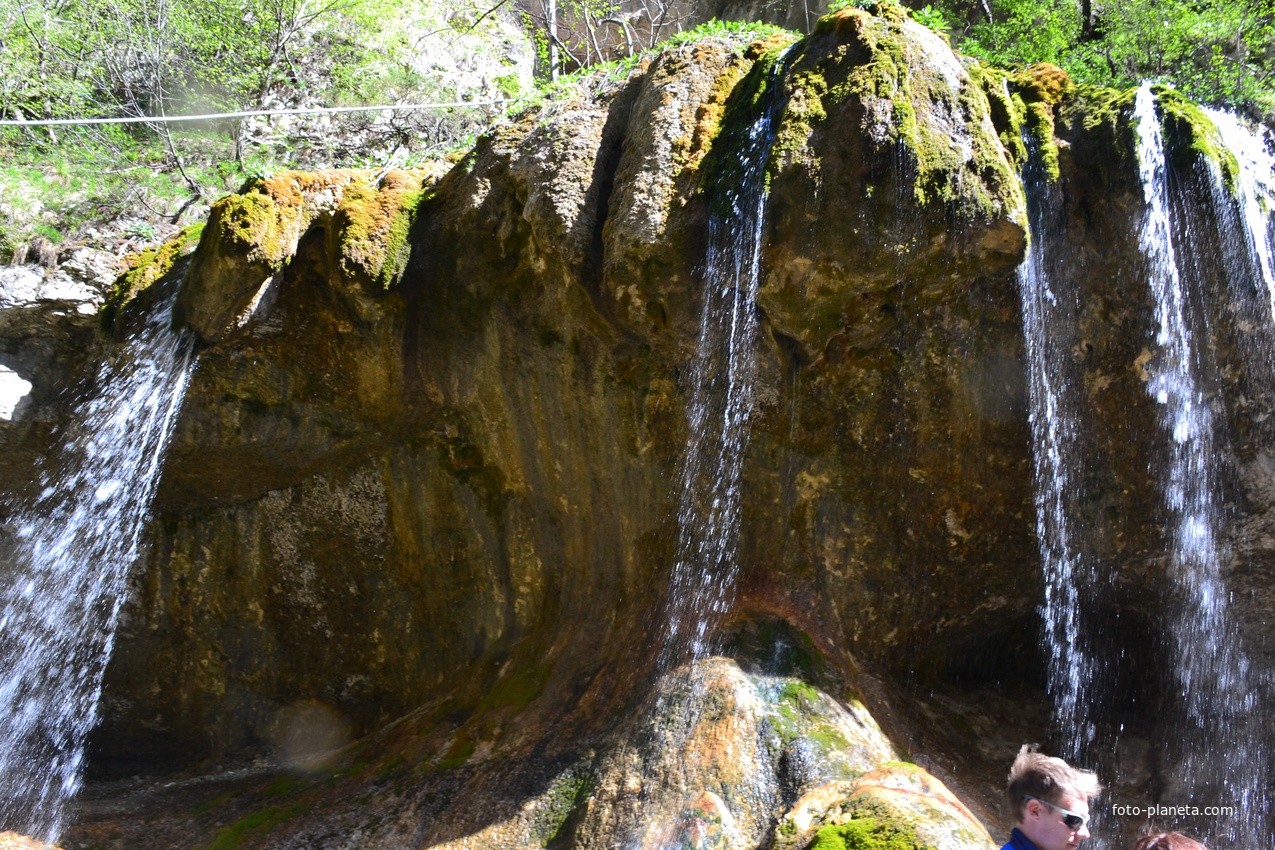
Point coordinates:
pixel 551 23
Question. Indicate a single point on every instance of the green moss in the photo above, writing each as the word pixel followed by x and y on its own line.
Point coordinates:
pixel 1029 101
pixel 870 825
pixel 517 689
pixel 565 795
pixel 722 165
pixel 828 738
pixel 1005 108
pixel 258 823
pixel 250 223
pixel 1103 108
pixel 879 58
pixel 284 786
pixel 374 225
pixel 147 268
pixel 801 714
pixel 903 766
pixel 710 117
pixel 1040 126
pixel 804 110
pixel 800 694
pixel 460 752
pixel 1190 136
pixel 837 20
pixel 1046 83
pixel 867 834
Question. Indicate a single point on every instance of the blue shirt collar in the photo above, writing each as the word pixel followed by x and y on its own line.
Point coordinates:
pixel 1020 842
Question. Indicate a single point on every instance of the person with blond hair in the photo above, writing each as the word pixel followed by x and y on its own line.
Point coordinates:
pixel 1168 841
pixel 1050 801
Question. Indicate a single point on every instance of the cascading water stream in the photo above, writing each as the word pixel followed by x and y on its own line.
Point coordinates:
pixel 1057 465
pixel 1255 190
pixel 73 547
pixel 702 585
pixel 1221 746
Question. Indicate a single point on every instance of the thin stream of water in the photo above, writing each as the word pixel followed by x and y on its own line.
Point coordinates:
pixel 1058 465
pixel 73 548
pixel 722 375
pixel 1255 189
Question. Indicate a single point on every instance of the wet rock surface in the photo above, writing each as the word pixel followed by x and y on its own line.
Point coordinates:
pixel 408 555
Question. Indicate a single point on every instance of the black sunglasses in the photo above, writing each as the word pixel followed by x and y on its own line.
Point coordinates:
pixel 1071 820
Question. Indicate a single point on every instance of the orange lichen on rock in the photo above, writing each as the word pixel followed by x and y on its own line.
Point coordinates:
pixel 251 236
pixel 371 227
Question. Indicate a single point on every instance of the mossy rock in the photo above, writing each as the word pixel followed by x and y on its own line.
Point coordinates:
pixel 897 806
pixel 371 227
pixel 913 93
pixel 252 235
pixel 887 166
pixel 248 238
pixel 147 268
pixel 1190 138
pixel 1045 83
pixel 868 833
pixel 1007 111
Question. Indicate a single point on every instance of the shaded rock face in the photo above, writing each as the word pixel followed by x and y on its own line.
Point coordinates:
pixel 370 493
pixel 421 493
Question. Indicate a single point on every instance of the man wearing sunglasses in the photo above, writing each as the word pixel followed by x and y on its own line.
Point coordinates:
pixel 1050 801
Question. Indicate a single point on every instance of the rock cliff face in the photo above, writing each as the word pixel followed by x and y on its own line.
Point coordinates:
pixel 421 497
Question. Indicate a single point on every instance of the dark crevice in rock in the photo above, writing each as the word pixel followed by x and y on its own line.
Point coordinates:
pixel 602 184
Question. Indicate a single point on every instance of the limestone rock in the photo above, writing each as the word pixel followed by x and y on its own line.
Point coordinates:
pixel 424 496
pixel 14 841
pixel 899 792
pixel 887 167
pixel 650 231
pixel 720 753
pixel 473 385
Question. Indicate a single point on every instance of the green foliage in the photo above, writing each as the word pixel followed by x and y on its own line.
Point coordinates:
pixel 1215 51
pixel 735 31
pixel 932 17
pixel 91 58
pixel 70 58
pixel 592 77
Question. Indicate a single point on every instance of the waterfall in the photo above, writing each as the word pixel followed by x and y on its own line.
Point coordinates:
pixel 721 377
pixel 1221 744
pixel 1057 464
pixel 62 591
pixel 1255 191
pixel 702 584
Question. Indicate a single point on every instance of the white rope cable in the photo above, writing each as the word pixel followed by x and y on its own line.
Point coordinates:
pixel 164 119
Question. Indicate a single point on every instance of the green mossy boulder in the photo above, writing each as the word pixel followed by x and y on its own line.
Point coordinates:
pixel 887 166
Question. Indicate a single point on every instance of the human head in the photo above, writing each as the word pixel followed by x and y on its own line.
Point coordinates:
pixel 1043 792
pixel 1168 841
